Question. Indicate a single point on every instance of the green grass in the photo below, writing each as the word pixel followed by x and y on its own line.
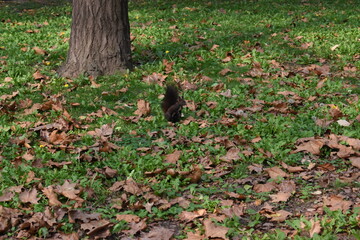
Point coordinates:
pixel 255 33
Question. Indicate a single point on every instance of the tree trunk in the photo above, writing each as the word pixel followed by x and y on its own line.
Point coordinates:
pixel 99 40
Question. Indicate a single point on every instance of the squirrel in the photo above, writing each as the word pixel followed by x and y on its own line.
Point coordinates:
pixel 172 104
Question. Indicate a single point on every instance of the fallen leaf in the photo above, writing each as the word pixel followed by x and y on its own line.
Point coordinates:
pixel 75 215
pixel 280 216
pixel 267 187
pixel 39 51
pixel 128 218
pixel 337 202
pixel 315 227
pixel 38 76
pixel 96 227
pixel 276 172
pixel 313 146
pixel 194 236
pixel 173 157
pixel 189 216
pixel 232 154
pixel 7 196
pixel 343 123
pixel 52 196
pixel 214 231
pixel 355 161
pixel 143 108
pixel 158 233
pixel 132 187
pixel 93 83
pixel 29 196
pixel 280 197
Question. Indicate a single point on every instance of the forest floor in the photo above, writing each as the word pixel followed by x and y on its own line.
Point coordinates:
pixel 268 147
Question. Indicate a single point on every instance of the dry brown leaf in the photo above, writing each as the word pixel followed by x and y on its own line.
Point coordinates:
pixel 173 157
pixel 75 215
pixel 117 186
pixel 267 187
pixel 143 108
pixel 189 216
pixel 280 216
pixel 30 176
pixel 313 146
pixel 225 71
pixel 280 197
pixel 128 218
pixel 255 140
pixel 292 169
pixel 136 227
pixel 52 196
pixel 7 196
pixel 29 196
pixel 132 187
pixel 287 186
pixel 232 154
pixel 315 227
pixel 28 156
pixel 194 236
pixel 96 227
pixel 214 231
pixel 236 210
pixel 93 83
pixel 255 168
pixel 158 233
pixel 39 51
pixel 69 190
pixel 157 78
pixel 321 83
pixel 276 172
pixel 195 174
pixel 355 161
pixel 9 96
pixel 337 202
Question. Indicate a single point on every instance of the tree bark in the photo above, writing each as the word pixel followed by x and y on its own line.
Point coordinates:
pixel 99 40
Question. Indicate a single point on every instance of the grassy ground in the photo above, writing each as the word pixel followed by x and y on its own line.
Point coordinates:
pixel 268 147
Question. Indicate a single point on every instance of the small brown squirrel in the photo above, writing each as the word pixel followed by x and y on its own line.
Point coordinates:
pixel 172 104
